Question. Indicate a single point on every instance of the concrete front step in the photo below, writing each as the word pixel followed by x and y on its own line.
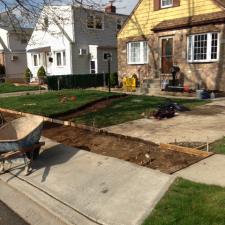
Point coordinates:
pixel 154 91
pixel 155 86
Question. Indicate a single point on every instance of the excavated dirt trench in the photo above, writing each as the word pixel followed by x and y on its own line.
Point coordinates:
pixel 130 149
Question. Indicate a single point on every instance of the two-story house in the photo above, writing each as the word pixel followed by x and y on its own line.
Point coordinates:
pixel 74 40
pixel 186 33
pixel 13 42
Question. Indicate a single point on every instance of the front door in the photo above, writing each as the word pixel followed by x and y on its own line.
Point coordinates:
pixel 49 62
pixel 167 55
pixel 93 66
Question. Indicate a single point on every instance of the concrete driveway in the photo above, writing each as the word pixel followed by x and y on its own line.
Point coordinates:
pixel 85 188
pixel 202 124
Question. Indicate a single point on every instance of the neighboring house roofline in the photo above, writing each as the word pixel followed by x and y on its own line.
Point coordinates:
pixel 219 2
pixel 89 9
pixel 100 11
pixel 17 29
pixel 129 17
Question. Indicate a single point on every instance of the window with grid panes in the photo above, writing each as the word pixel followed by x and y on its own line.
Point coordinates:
pixel 166 3
pixel 203 47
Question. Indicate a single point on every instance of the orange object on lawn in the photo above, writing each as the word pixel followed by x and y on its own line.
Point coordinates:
pixel 186 88
pixel 73 98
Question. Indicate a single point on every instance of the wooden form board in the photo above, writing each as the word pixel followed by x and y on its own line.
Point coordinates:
pixel 190 151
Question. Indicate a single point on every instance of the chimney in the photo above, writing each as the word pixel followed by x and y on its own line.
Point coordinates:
pixel 110 8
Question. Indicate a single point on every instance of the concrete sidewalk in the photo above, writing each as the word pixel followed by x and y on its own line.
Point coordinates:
pixel 209 171
pixel 21 93
pixel 85 188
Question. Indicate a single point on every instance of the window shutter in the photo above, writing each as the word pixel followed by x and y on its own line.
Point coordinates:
pixel 156 5
pixel 176 3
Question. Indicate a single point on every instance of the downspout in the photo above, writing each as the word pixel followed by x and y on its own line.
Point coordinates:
pixel 72 43
pixel 9 47
pixel 10 50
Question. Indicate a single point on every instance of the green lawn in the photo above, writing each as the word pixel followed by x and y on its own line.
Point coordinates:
pixel 131 108
pixel 188 203
pixel 218 146
pixel 8 88
pixel 49 104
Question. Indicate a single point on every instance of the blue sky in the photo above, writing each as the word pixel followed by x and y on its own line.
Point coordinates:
pixel 123 6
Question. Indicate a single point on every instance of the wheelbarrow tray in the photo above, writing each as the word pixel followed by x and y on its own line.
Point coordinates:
pixel 21 133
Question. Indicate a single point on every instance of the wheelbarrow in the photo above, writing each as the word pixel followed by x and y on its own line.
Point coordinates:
pixel 21 137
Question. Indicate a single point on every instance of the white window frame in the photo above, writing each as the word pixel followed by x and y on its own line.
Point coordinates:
pixel 165 6
pixel 142 61
pixel 63 58
pixel 190 49
pixel 94 22
pixel 38 59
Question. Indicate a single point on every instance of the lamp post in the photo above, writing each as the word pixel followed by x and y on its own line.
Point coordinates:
pixel 109 58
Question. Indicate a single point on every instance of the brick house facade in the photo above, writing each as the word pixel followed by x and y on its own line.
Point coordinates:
pixel 194 41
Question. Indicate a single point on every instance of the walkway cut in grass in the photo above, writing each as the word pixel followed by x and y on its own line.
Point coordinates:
pixel 51 103
pixel 9 88
pixel 189 203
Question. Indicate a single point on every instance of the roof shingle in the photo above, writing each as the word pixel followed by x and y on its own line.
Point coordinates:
pixel 185 22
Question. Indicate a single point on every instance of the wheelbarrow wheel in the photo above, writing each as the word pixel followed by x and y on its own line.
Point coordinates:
pixel 35 153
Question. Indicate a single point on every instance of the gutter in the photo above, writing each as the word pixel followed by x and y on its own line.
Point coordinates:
pixel 188 25
pixel 73 43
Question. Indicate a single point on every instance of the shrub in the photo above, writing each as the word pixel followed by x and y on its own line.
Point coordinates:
pixel 27 75
pixel 41 74
pixel 2 69
pixel 114 79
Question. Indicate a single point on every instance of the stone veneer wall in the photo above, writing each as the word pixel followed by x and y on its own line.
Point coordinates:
pixel 211 75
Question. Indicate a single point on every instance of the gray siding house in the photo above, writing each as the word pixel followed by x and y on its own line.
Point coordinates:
pixel 13 42
pixel 74 40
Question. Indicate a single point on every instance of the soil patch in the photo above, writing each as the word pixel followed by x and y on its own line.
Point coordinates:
pixel 89 107
pixel 140 152
pixel 207 110
pixel 93 108
pixel 143 153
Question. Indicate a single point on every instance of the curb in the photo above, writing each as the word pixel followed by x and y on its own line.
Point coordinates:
pixel 36 214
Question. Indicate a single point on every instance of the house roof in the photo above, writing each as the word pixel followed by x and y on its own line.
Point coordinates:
pixel 220 2
pixel 185 22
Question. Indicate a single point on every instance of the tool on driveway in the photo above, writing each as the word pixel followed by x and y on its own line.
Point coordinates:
pixel 169 109
pixel 21 138
pixel 165 111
